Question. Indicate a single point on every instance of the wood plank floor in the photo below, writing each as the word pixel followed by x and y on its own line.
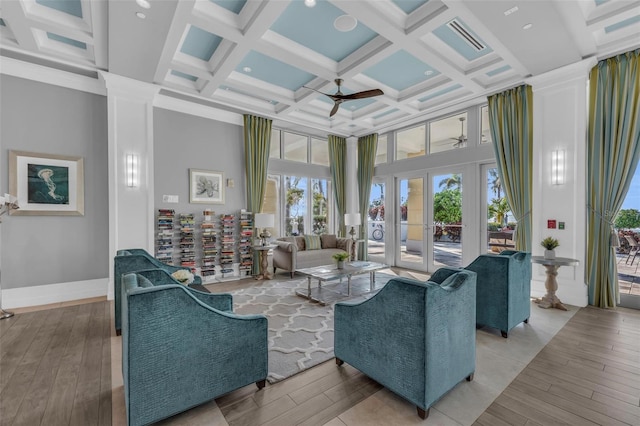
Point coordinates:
pixel 55 370
pixel 588 374
pixel 55 366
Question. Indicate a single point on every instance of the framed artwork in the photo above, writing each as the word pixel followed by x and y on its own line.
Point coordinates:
pixel 46 184
pixel 206 187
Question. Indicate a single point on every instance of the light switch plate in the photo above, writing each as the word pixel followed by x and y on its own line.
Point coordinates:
pixel 170 199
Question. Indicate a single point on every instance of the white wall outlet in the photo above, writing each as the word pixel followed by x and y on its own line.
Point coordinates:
pixel 170 199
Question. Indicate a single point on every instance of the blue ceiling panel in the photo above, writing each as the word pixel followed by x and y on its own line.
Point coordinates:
pixel 599 2
pixel 200 43
pixel 614 27
pixel 71 7
pixel 184 75
pixel 409 6
pixel 69 41
pixel 499 70
pixel 273 71
pixel 313 28
pixel 440 92
pixel 400 71
pixel 459 44
pixel 234 6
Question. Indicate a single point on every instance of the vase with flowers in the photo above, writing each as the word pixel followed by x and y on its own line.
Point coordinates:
pixel 183 276
pixel 340 257
pixel 549 244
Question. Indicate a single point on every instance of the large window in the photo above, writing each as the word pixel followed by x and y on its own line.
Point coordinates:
pixel 410 142
pixel 448 133
pixel 381 151
pixel 271 202
pixel 294 147
pixel 484 125
pixel 320 151
pixel 295 204
pixel 307 206
pixel 320 208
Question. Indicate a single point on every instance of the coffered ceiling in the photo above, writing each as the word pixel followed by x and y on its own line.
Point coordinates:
pixel 257 56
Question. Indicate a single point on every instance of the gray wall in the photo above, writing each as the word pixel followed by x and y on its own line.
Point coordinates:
pixel 183 141
pixel 38 250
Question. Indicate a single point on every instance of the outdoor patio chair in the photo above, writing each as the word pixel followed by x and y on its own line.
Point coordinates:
pixel 634 249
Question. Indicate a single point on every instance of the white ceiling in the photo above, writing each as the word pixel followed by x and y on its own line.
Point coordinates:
pixel 202 50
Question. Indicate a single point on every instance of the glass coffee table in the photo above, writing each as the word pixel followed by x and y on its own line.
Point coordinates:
pixel 328 293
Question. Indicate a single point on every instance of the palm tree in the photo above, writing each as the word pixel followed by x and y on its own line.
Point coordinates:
pixel 452 182
pixel 499 208
pixel 496 184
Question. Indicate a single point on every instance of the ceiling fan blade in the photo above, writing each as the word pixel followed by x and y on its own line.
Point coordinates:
pixel 359 95
pixel 322 93
pixel 334 109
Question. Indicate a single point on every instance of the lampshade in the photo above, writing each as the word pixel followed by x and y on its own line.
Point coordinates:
pixel 263 220
pixel 352 219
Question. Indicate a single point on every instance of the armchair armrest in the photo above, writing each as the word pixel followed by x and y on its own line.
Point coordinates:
pixel 220 301
pixel 286 246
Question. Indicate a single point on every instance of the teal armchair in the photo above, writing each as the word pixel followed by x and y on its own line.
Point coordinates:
pixel 504 289
pixel 132 260
pixel 179 350
pixel 418 339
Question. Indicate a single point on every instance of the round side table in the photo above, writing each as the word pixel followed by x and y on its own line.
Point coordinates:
pixel 550 300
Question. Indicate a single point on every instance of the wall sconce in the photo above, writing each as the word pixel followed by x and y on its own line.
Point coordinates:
pixel 132 170
pixel 557 167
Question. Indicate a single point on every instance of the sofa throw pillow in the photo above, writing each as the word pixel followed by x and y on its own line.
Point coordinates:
pixel 312 242
pixel 300 243
pixel 328 241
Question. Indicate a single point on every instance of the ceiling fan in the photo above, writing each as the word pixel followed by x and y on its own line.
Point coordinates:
pixel 339 98
pixel 462 139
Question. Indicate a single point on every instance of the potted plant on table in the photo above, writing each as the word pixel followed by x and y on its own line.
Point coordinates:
pixel 340 258
pixel 549 244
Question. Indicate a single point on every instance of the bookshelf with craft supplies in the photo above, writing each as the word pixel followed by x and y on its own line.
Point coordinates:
pixel 245 241
pixel 210 247
pixel 165 235
pixel 187 241
pixel 228 268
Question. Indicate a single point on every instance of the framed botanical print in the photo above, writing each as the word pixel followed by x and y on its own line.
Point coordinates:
pixel 206 187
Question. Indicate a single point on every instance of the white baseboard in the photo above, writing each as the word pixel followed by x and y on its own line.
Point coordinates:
pixel 53 293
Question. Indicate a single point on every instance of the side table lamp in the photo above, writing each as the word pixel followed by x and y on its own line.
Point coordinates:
pixel 7 204
pixel 264 221
pixel 352 220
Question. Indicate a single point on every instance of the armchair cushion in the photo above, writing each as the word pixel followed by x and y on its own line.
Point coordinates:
pixel 415 338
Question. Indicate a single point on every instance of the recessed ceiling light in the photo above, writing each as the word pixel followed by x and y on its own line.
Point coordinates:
pixel 143 4
pixel 345 23
pixel 527 26
pixel 309 3
pixel 428 72
pixel 246 69
pixel 141 15
pixel 510 11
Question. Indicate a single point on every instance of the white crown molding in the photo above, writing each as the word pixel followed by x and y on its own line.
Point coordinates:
pixel 47 75
pixel 199 110
pixel 53 293
pixel 563 75
pixel 129 88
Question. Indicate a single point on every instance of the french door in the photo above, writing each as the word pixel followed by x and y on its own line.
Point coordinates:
pixel 429 223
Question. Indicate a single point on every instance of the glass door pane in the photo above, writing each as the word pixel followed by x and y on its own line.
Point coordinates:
pixel 320 194
pixel 295 204
pixel 499 232
pixel 410 226
pixel 375 223
pixel 446 211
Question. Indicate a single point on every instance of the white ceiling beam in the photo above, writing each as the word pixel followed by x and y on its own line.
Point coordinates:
pixel 174 39
pixel 100 27
pixel 13 12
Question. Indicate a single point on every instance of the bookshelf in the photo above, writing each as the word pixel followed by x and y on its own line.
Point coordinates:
pixel 210 247
pixel 228 247
pixel 164 240
pixel 245 241
pixel 187 241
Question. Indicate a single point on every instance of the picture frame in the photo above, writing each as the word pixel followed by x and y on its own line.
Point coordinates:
pixel 206 187
pixel 46 184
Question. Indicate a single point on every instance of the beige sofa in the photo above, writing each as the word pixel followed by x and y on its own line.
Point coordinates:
pixel 292 254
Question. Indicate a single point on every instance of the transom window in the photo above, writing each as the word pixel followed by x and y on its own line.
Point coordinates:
pixel 448 133
pixel 410 142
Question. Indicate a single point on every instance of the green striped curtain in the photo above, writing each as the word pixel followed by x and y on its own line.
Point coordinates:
pixel 367 147
pixel 613 149
pixel 511 125
pixel 257 142
pixel 338 159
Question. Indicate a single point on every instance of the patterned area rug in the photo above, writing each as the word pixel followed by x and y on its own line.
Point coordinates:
pixel 300 332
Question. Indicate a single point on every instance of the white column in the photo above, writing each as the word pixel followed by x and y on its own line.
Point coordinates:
pixel 560 124
pixel 130 128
